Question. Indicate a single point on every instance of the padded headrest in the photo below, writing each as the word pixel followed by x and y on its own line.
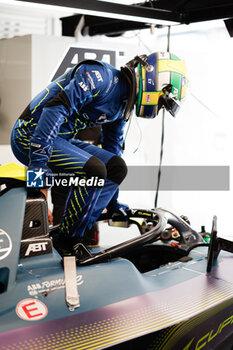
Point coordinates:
pixel 12 173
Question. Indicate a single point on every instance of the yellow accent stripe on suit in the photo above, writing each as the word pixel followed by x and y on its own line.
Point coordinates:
pixel 40 101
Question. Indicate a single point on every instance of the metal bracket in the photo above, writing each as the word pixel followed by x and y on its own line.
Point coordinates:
pixel 72 295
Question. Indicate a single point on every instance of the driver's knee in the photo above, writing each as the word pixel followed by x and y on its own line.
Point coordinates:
pixel 116 169
pixel 94 167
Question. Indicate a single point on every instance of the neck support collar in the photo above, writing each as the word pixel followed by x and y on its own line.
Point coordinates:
pixel 129 73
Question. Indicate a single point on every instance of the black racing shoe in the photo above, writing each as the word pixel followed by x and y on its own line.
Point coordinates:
pixel 66 245
pixel 62 244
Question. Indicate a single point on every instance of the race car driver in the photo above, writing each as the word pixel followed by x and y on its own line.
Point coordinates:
pixel 94 93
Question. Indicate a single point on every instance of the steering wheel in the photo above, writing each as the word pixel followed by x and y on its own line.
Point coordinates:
pixel 189 236
pixel 160 219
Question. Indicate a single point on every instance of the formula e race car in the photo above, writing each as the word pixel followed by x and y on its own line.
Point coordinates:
pixel 166 288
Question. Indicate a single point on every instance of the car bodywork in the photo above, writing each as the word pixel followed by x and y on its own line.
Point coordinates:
pixel 151 291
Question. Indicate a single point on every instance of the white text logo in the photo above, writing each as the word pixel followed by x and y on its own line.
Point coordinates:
pixel 98 75
pixel 83 86
pixel 36 247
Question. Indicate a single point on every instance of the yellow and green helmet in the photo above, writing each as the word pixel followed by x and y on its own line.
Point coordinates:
pixel 163 82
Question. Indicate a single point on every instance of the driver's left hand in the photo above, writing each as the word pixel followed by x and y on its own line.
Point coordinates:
pixel 118 210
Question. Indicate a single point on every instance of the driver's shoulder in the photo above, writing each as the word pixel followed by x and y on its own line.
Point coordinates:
pixel 95 74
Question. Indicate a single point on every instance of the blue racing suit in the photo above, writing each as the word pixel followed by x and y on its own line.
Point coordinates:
pixel 91 93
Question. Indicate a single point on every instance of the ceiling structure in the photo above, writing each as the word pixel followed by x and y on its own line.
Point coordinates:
pixel 140 15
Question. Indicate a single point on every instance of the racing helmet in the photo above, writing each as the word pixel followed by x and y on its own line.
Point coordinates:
pixel 163 82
